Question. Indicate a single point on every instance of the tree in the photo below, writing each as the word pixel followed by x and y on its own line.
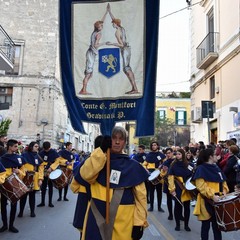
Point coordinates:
pixel 164 128
pixel 164 131
pixel 4 126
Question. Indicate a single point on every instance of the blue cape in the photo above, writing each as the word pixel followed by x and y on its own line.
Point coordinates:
pixel 51 155
pixel 67 155
pixel 12 160
pixel 30 158
pixel 132 172
pixel 209 172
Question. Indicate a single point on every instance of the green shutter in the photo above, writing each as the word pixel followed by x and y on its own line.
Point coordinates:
pixel 185 117
pixel 176 117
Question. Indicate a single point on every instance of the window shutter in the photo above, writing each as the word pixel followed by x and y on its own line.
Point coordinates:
pixel 176 117
pixel 185 117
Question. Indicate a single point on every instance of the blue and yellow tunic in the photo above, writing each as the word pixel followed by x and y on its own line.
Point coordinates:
pixel 153 160
pixel 50 159
pixel 164 174
pixel 10 161
pixel 66 159
pixel 34 164
pixel 179 172
pixel 132 210
pixel 209 180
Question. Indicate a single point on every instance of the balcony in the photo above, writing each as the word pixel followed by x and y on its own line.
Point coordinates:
pixel 207 50
pixel 7 50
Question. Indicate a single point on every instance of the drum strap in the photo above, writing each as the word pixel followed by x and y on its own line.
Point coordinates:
pixel 179 184
pixel 220 187
pixel 210 201
pixel 107 229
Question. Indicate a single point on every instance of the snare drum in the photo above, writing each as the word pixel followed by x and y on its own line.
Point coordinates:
pixel 228 213
pixel 28 179
pixel 13 188
pixel 58 178
pixel 191 188
pixel 155 177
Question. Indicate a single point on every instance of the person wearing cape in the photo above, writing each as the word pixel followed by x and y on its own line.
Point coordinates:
pixel 66 164
pixel 164 174
pixel 128 203
pixel 210 182
pixel 179 172
pixel 14 164
pixel 33 165
pixel 154 160
pixel 50 159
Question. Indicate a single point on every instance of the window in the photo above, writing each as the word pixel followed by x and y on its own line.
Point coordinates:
pixel 181 117
pixel 5 97
pixel 212 87
pixel 210 19
pixel 161 113
pixel 18 58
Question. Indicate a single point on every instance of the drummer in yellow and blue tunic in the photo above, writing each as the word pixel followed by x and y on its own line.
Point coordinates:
pixel 164 174
pixel 65 162
pixel 210 182
pixel 13 163
pixel 50 159
pixel 33 166
pixel 180 170
pixel 154 160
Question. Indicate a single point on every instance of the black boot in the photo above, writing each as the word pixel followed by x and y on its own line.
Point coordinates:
pixel 3 228
pixel 20 214
pixel 13 229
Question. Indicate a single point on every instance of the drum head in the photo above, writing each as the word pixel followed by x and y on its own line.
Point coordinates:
pixel 55 174
pixel 154 174
pixel 227 198
pixel 189 185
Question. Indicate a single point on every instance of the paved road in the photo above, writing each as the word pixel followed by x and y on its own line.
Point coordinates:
pixel 56 224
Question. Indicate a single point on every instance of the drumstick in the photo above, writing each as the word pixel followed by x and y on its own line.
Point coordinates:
pixel 178 200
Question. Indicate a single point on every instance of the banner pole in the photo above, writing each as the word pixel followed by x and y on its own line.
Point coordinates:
pixel 108 186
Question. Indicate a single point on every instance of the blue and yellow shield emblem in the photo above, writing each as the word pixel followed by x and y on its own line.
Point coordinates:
pixel 109 61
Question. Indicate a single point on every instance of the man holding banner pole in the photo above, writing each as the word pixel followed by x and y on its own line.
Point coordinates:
pixel 128 203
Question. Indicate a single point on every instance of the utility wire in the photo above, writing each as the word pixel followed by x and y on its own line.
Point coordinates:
pixel 180 10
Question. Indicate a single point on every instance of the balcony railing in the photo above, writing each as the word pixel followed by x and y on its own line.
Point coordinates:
pixel 7 51
pixel 207 50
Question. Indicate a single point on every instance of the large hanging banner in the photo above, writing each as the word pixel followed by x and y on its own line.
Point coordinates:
pixel 108 52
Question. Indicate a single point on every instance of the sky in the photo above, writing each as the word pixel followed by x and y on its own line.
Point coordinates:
pixel 174 48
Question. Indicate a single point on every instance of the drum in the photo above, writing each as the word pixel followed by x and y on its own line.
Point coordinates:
pixel 191 188
pixel 13 188
pixel 155 177
pixel 228 213
pixel 69 174
pixel 28 179
pixel 58 178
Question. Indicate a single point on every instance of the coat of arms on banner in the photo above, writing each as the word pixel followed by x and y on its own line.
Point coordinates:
pixel 109 61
